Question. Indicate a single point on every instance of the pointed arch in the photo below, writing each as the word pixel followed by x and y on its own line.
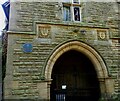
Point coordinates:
pixel 87 50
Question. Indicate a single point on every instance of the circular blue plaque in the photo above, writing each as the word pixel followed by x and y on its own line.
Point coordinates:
pixel 27 47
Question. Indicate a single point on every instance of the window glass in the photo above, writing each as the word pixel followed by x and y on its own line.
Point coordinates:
pixel 67 15
pixel 76 13
pixel 71 10
pixel 76 1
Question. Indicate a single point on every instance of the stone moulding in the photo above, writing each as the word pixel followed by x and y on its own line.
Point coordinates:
pixel 106 82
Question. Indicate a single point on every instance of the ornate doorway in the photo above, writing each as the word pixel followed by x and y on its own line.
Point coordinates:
pixel 74 78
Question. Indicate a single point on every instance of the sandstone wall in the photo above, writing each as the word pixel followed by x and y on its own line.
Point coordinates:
pixel 24 70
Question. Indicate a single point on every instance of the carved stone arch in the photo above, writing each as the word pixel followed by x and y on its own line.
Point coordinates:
pixel 106 83
pixel 88 51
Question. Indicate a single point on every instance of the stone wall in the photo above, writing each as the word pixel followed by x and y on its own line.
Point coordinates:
pixel 24 14
pixel 25 71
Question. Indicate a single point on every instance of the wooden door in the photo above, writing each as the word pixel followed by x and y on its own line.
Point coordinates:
pixel 74 79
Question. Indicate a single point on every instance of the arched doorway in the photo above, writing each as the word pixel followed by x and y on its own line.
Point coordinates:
pixel 90 55
pixel 74 78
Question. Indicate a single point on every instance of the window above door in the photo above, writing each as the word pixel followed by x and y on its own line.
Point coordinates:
pixel 71 10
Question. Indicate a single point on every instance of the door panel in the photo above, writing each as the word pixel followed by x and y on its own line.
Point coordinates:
pixel 76 72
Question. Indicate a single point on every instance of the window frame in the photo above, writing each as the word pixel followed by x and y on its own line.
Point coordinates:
pixel 76 3
pixel 72 5
pixel 69 13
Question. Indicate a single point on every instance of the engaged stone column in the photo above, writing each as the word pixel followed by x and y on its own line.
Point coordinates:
pixel 48 89
pixel 44 90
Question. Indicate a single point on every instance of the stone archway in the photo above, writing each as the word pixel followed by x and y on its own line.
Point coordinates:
pixel 92 54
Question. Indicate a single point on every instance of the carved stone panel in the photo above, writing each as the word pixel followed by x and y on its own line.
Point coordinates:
pixel 102 34
pixel 44 31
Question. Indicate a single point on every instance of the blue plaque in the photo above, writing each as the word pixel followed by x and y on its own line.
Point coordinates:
pixel 27 47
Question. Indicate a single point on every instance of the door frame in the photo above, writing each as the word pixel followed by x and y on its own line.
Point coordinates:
pixel 106 82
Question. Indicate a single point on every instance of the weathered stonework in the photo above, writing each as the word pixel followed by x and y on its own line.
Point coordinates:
pixel 28 75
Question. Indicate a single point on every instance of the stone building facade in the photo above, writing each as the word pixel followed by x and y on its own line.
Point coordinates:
pixel 45 40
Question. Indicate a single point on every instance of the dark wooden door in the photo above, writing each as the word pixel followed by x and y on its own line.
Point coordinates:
pixel 74 79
